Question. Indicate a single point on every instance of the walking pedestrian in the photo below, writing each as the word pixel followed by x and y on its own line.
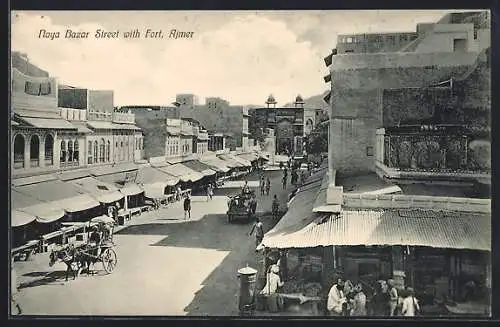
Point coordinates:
pixel 393 297
pixel 275 207
pixel 411 308
pixel 210 192
pixel 187 207
pixel 284 181
pixel 262 185
pixel 14 304
pixel 253 204
pixel 268 186
pixel 258 228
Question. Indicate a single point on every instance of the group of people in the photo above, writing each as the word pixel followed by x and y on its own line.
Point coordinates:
pixel 344 299
pixel 265 185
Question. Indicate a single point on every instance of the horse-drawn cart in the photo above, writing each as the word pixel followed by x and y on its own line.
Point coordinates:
pixel 86 252
pixel 239 206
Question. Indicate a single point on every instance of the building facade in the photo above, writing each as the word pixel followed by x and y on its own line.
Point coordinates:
pixel 52 129
pixel 218 116
pixel 370 91
pixel 290 124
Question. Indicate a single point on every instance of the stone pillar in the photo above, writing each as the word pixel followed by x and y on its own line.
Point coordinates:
pixel 27 147
pixel 41 153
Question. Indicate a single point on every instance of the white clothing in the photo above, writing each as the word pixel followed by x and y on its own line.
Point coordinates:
pixel 336 299
pixel 410 306
pixel 272 284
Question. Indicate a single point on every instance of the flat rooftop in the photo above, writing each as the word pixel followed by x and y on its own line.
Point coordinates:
pixel 371 182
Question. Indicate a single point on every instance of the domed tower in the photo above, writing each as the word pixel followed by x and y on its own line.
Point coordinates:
pixel 299 102
pixel 271 102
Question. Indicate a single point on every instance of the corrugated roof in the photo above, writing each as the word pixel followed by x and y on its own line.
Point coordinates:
pixel 415 227
pixel 49 123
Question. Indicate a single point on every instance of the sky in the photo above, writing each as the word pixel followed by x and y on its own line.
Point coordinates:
pixel 239 56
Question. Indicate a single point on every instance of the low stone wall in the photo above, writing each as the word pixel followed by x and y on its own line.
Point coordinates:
pixel 417 201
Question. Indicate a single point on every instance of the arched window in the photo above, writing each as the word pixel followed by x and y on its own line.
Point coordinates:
pixel 89 153
pixel 19 151
pixel 96 152
pixel 70 151
pixel 102 150
pixel 49 150
pixel 63 151
pixel 76 152
pixel 108 152
pixel 35 151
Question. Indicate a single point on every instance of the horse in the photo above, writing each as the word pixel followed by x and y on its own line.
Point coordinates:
pixel 71 256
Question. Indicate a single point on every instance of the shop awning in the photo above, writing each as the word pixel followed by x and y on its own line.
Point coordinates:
pixel 246 163
pixel 33 179
pixel 113 169
pixel 78 203
pixel 101 191
pixel 131 189
pixel 150 175
pixel 199 167
pixel 298 216
pixel 231 162
pixel 248 156
pixel 321 204
pixel 217 164
pixel 44 212
pixel 184 173
pixel 111 197
pixel 155 190
pixel 19 218
pixel 52 190
pixel 413 227
pixel 49 123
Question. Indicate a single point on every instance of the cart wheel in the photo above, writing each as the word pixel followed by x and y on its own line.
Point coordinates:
pixel 109 260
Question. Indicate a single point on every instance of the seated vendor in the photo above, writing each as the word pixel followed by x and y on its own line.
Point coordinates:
pixel 273 281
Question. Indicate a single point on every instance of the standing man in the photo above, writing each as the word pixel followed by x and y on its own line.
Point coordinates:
pixel 210 192
pixel 336 299
pixel 259 232
pixel 187 207
pixel 262 183
pixel 275 207
pixel 253 204
pixel 268 186
pixel 14 305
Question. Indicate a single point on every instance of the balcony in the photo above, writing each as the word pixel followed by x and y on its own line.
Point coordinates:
pixel 123 118
pixel 435 153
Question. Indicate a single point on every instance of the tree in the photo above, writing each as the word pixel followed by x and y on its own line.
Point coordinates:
pixel 317 140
